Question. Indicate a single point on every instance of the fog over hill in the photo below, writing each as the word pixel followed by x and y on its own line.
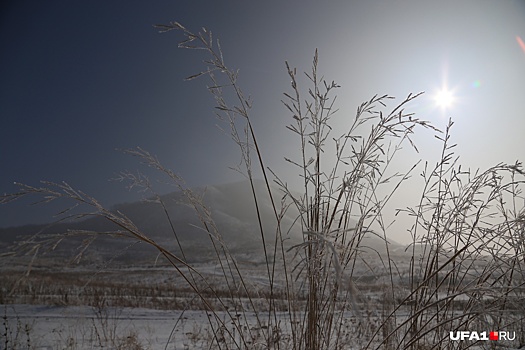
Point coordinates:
pixel 231 207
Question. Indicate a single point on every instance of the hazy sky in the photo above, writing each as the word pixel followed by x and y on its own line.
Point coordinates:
pixel 80 79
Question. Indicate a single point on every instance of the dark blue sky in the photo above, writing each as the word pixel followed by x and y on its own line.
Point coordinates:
pixel 81 79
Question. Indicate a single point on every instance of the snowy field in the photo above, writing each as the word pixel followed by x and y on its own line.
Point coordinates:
pixel 82 327
pixel 130 309
pixel 141 309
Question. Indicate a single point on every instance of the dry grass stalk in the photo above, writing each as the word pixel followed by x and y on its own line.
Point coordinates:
pixel 466 266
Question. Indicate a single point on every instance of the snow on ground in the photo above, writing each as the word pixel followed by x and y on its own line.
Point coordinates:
pixel 82 327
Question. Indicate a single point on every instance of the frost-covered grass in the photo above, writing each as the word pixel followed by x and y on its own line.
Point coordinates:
pixel 464 268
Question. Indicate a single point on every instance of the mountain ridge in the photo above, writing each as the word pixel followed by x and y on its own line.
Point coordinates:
pixel 231 206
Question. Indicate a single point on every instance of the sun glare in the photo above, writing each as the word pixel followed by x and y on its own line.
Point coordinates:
pixel 444 98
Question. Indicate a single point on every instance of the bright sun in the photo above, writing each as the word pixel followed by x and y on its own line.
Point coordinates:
pixel 444 98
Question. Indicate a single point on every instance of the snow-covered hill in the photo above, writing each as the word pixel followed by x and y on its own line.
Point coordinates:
pixel 232 221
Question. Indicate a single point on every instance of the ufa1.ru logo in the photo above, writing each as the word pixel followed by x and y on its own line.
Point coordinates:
pixel 473 335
